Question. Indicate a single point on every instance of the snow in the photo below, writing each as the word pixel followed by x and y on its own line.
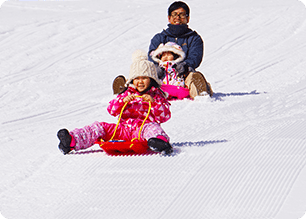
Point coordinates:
pixel 240 154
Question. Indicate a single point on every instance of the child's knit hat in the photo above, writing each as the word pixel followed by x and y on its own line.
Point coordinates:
pixel 168 47
pixel 141 66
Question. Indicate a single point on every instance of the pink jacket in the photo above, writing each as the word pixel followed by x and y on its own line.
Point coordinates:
pixel 136 110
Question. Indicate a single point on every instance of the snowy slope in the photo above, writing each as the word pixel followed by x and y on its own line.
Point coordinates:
pixel 240 154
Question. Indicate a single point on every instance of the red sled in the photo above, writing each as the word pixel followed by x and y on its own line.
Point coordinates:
pixel 120 147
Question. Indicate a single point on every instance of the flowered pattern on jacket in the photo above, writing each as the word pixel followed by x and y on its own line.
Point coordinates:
pixel 136 110
pixel 171 76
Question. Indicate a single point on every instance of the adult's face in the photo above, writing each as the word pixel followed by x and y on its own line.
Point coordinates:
pixel 178 17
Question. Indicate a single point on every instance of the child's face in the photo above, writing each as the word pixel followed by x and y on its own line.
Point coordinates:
pixel 141 83
pixel 167 56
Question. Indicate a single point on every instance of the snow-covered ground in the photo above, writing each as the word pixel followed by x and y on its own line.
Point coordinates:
pixel 240 154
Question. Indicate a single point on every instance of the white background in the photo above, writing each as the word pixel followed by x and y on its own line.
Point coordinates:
pixel 240 154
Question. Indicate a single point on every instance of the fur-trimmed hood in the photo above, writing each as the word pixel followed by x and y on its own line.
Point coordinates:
pixel 168 47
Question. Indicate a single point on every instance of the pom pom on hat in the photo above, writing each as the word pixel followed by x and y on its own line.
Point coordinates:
pixel 141 66
pixel 139 55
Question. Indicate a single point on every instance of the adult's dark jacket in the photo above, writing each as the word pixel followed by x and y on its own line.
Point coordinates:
pixel 190 41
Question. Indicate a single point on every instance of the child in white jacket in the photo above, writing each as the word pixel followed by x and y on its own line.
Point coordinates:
pixel 168 56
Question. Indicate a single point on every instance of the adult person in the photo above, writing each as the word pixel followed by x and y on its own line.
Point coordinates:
pixel 191 43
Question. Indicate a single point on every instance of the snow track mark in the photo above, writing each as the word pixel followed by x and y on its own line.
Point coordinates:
pixel 257 177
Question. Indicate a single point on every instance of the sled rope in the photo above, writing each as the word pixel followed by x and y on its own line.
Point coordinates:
pixel 119 120
pixel 167 77
pixel 149 110
pixel 120 115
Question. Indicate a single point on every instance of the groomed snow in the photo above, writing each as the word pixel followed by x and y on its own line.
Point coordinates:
pixel 240 154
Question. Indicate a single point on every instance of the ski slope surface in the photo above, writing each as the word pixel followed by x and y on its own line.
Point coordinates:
pixel 240 154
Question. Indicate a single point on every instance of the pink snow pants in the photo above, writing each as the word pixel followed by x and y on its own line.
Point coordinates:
pixel 87 136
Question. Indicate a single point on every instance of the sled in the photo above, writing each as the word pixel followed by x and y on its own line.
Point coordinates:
pixel 175 92
pixel 121 147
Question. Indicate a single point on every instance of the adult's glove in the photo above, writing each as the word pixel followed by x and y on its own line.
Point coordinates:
pixel 182 68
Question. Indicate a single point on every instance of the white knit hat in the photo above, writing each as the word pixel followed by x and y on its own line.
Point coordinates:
pixel 142 67
pixel 168 47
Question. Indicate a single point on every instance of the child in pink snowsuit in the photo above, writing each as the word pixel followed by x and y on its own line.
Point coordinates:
pixel 142 87
pixel 168 56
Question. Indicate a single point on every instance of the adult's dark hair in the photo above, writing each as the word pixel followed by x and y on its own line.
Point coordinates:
pixel 177 5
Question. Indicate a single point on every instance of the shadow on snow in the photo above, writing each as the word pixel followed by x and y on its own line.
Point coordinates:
pixel 218 96
pixel 198 143
pixel 176 146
